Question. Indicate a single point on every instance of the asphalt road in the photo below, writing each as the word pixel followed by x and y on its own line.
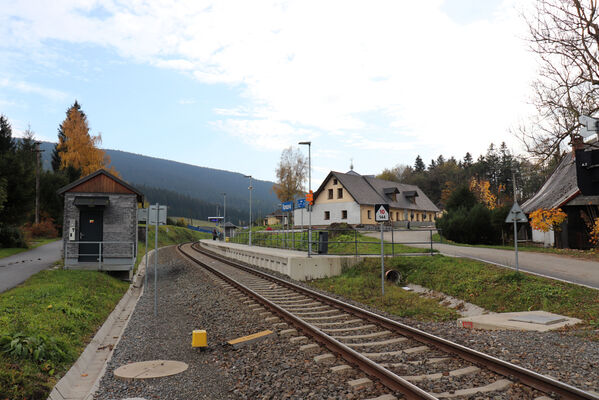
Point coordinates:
pixel 555 266
pixel 16 269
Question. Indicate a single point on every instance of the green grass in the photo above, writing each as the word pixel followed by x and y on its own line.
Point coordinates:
pixel 362 283
pixel 66 307
pixel 196 222
pixel 168 235
pixel 343 243
pixel 493 288
pixel 32 245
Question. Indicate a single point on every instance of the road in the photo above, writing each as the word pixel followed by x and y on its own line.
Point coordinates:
pixel 565 268
pixel 16 269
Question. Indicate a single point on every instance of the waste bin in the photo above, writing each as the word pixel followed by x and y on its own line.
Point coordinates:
pixel 323 242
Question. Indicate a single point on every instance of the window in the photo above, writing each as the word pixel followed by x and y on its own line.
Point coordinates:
pixel 327 215
pixel 424 217
pixel 369 214
pixel 343 214
pixel 339 193
pixel 334 181
pixel 330 193
pixel 397 216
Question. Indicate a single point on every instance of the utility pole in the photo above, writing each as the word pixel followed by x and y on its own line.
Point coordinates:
pixel 225 217
pixel 515 223
pixel 250 189
pixel 309 190
pixel 37 182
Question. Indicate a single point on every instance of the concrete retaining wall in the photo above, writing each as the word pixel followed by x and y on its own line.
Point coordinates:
pixel 298 267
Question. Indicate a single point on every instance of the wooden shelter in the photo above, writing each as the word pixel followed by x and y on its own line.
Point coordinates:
pixel 100 223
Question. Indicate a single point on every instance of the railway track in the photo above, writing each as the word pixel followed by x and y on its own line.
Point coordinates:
pixel 408 361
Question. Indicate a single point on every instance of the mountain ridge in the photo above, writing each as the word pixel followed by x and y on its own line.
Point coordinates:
pixel 194 182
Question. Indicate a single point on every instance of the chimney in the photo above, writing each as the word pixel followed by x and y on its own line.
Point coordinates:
pixel 577 143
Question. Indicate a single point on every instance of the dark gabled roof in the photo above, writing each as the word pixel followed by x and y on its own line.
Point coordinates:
pixel 78 182
pixel 560 188
pixel 230 225
pixel 368 190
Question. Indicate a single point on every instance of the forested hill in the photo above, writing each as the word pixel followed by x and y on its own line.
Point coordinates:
pixel 186 183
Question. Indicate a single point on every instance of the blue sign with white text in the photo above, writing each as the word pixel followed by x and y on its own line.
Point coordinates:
pixel 287 206
pixel 301 203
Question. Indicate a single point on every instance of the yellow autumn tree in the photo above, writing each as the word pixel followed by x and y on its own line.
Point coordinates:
pixel 595 233
pixel 546 219
pixel 78 149
pixel 482 190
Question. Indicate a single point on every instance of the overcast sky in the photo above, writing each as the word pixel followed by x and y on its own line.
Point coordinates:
pixel 230 84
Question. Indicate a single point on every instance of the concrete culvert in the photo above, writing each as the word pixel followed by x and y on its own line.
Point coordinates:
pixel 393 276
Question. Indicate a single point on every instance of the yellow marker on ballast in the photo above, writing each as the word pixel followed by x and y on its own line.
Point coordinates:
pixel 199 338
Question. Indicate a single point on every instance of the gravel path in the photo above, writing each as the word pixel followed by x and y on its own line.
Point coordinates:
pixel 189 299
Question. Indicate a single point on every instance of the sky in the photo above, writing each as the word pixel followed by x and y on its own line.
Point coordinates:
pixel 230 84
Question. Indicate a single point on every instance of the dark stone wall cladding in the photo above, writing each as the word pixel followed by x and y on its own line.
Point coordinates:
pixel 120 222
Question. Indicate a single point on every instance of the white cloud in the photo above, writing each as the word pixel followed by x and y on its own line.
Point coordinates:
pixel 317 68
pixel 26 87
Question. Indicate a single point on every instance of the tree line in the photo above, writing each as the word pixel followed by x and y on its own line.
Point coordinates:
pixel 493 170
pixel 75 155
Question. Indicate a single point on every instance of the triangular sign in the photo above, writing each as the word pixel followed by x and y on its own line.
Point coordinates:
pixel 381 212
pixel 516 214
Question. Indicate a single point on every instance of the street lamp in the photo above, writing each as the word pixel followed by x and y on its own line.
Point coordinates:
pixel 309 189
pixel 225 217
pixel 250 189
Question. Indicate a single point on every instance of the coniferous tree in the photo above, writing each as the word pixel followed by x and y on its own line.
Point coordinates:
pixel 419 165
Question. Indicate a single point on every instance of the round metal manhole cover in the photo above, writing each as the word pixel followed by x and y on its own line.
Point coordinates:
pixel 150 369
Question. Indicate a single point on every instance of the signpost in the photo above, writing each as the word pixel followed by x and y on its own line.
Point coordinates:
pixel 516 215
pixel 381 214
pixel 157 216
pixel 142 216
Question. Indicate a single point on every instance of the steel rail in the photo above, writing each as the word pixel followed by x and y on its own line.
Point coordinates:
pixel 388 378
pixel 514 372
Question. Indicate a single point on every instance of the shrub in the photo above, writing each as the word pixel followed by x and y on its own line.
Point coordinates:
pixel 181 222
pixel 472 226
pixel 37 347
pixel 11 236
pixel 46 228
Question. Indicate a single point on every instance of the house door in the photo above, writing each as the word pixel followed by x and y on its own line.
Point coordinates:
pixel 91 221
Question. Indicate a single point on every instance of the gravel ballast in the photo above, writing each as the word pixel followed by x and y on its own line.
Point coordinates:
pixel 566 355
pixel 188 299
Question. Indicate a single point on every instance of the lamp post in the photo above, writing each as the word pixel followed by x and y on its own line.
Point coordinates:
pixel 225 217
pixel 309 188
pixel 250 189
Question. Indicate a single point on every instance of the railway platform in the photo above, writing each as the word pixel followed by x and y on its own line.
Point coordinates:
pixel 295 264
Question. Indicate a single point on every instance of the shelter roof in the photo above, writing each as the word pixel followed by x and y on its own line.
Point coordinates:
pixel 101 181
pixel 559 189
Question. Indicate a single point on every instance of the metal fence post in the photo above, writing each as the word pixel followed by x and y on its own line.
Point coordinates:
pixel 392 241
pixel 356 242
pixel 431 232
pixel 100 256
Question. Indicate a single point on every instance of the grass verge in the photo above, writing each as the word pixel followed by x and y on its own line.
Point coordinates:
pixel 32 245
pixel 362 283
pixel 493 288
pixel 56 313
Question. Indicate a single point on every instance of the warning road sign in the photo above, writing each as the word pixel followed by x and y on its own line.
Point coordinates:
pixel 516 215
pixel 381 212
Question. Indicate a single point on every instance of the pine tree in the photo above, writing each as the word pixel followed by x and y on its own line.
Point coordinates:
pixel 419 165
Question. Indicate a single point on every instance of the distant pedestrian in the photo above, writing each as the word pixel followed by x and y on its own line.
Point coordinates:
pixel 214 234
pixel 408 224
